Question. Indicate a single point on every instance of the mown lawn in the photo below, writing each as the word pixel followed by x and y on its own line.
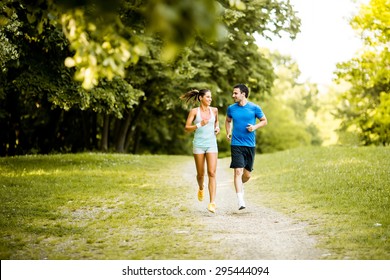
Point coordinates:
pixel 109 206
pixel 95 206
pixel 343 193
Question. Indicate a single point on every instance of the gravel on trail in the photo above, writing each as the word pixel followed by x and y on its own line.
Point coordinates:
pixel 256 232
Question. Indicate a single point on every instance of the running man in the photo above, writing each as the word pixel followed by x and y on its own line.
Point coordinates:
pixel 243 115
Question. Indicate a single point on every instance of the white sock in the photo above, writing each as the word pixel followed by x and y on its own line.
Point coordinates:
pixel 240 197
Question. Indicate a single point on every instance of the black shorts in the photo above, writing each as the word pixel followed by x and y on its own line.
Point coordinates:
pixel 242 157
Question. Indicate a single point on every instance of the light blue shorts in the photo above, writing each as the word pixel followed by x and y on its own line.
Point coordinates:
pixel 204 150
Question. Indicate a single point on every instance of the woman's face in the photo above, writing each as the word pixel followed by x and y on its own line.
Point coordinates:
pixel 206 99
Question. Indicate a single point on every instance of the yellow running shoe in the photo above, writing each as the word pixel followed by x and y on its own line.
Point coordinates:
pixel 200 195
pixel 211 207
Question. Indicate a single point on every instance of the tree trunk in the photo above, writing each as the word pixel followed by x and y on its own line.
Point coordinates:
pixel 121 137
pixel 136 141
pixel 134 119
pixel 106 127
pixel 12 103
pixel 85 124
pixel 94 130
pixel 136 115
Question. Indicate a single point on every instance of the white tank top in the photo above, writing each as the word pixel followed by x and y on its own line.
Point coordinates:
pixel 205 136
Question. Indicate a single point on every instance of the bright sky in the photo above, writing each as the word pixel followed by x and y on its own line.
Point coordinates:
pixel 326 38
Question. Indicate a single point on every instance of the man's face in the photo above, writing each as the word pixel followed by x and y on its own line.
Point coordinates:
pixel 238 95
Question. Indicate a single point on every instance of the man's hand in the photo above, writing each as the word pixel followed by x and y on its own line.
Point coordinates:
pixel 250 128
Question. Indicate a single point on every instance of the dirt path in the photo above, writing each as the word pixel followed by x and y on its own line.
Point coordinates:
pixel 254 233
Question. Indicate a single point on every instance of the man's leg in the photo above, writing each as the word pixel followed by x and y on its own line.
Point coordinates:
pixel 246 175
pixel 239 185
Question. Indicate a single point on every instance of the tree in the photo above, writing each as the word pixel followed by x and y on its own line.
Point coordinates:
pixel 288 109
pixel 39 95
pixel 132 61
pixel 204 63
pixel 365 106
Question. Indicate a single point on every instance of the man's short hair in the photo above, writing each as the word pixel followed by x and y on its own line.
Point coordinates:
pixel 243 88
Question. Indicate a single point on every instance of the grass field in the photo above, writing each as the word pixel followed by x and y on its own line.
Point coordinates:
pixel 343 193
pixel 95 206
pixel 98 206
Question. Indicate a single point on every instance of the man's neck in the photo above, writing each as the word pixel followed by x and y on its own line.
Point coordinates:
pixel 243 102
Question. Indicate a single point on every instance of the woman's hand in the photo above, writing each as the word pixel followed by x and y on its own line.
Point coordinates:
pixel 204 122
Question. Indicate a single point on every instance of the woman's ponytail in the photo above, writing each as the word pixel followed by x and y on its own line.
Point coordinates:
pixel 194 94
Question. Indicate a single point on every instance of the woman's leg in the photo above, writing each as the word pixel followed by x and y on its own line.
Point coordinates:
pixel 212 159
pixel 199 163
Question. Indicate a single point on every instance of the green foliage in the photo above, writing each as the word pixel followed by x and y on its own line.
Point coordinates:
pixel 133 59
pixel 381 115
pixel 283 131
pixel 180 23
pixel 99 51
pixel 9 53
pixel 287 109
pixel 364 107
pixel 373 21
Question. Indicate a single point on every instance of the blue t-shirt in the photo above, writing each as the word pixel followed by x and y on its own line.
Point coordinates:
pixel 242 116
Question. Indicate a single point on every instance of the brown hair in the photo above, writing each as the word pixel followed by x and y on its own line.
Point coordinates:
pixel 194 94
pixel 243 88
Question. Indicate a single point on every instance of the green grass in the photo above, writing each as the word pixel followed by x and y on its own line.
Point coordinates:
pixel 95 206
pixel 98 206
pixel 343 193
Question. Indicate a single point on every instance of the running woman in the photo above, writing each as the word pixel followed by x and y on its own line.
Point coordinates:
pixel 204 121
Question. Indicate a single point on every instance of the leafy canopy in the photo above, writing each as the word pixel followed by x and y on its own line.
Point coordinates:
pixel 365 106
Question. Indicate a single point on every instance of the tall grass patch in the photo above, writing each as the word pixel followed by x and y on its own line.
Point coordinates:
pixel 343 193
